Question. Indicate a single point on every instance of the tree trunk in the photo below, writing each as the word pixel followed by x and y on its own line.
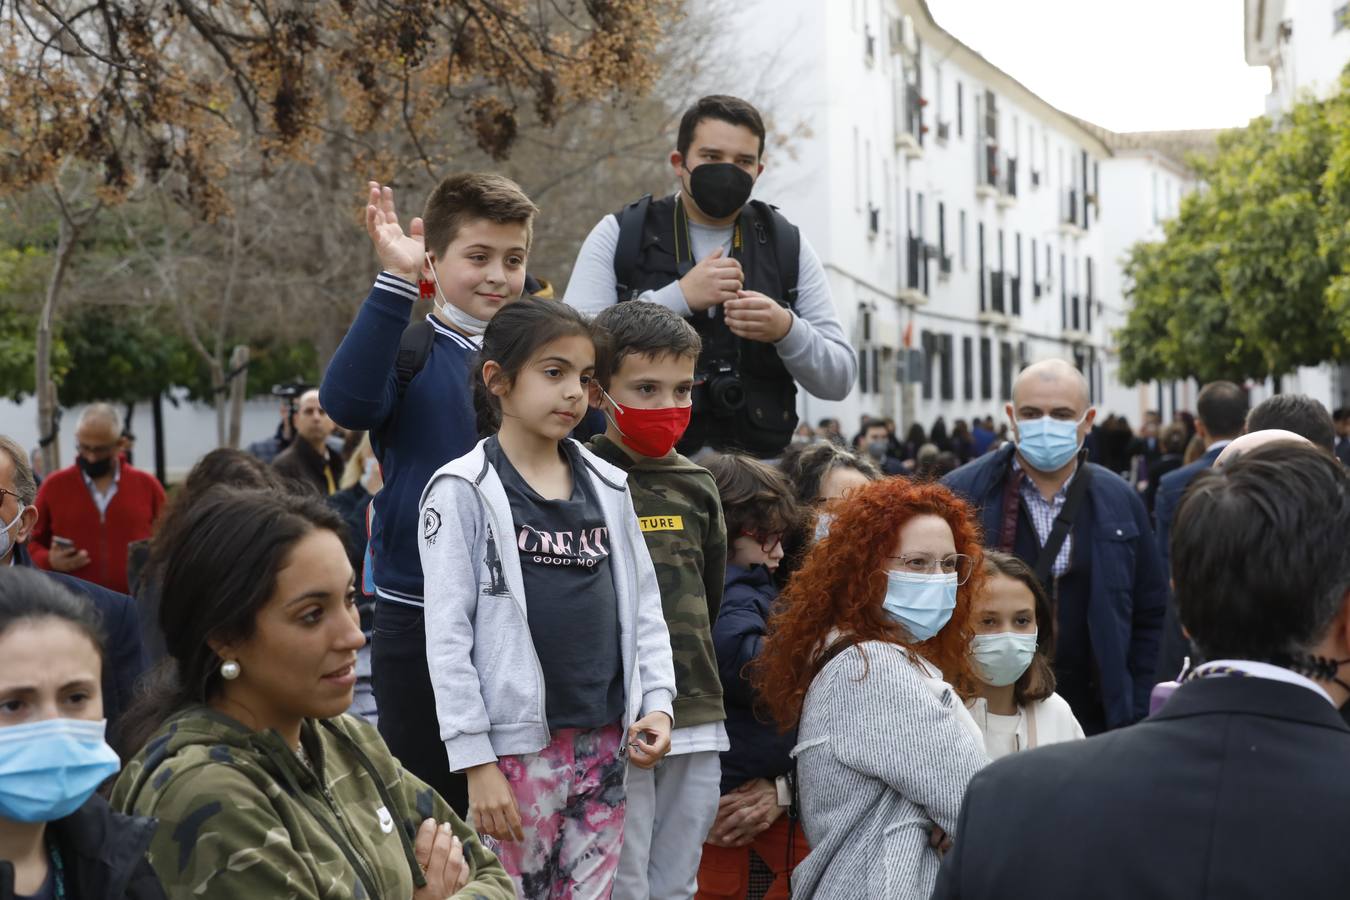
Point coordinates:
pixel 157 418
pixel 238 385
pixel 44 388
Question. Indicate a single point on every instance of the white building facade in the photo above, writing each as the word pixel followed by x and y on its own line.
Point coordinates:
pixel 956 212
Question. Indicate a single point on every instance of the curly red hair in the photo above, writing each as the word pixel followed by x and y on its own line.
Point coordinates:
pixel 843 581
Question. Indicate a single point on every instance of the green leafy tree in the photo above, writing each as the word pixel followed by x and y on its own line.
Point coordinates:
pixel 1249 280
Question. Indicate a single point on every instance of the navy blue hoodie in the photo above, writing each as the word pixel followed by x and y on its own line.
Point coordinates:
pixel 412 437
pixel 758 748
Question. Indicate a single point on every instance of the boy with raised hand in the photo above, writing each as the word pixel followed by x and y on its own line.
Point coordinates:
pixel 414 395
pixel 644 383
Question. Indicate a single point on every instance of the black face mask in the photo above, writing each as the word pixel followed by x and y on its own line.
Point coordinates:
pixel 720 189
pixel 94 469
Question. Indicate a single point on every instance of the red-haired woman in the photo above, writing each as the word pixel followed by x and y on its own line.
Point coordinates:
pixel 880 613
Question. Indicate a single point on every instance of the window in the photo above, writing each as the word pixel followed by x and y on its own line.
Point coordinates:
pixel 986 369
pixel 979 240
pixel 960 114
pixel 947 388
pixel 1063 292
pixel 926 341
pixel 942 230
pixel 857 167
pixel 1005 370
pixel 1035 278
pixel 867 169
pixel 967 368
pixel 962 220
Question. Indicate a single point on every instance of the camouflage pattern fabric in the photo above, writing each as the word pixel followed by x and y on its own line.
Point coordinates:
pixel 681 516
pixel 240 815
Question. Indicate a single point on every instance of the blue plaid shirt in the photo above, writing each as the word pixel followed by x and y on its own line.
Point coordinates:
pixel 1043 513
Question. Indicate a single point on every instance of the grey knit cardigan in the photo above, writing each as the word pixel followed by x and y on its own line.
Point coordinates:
pixel 881 757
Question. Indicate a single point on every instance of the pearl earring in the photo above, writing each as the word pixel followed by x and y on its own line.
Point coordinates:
pixel 229 670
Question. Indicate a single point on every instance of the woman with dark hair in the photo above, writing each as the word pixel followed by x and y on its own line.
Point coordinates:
pixel 963 445
pixel 938 436
pixel 262 786
pixel 223 466
pixel 58 839
pixel 914 439
pixel 855 659
pixel 1012 697
pixel 819 474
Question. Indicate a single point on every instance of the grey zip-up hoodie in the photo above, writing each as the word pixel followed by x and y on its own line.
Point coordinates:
pixel 485 673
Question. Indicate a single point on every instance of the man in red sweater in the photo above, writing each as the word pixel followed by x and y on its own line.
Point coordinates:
pixel 89 512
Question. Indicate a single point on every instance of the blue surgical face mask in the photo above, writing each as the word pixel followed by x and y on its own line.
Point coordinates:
pixel 921 603
pixel 49 769
pixel 1001 659
pixel 1047 444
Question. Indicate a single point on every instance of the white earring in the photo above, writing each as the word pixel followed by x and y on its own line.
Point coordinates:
pixel 229 670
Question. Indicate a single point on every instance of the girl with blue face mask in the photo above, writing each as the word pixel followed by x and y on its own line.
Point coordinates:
pixel 1012 697
pixel 58 839
pixel 860 657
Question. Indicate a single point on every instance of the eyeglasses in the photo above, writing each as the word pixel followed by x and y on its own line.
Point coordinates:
pixel 5 493
pixel 766 541
pixel 957 564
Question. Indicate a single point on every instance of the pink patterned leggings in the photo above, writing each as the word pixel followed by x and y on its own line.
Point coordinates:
pixel 571 800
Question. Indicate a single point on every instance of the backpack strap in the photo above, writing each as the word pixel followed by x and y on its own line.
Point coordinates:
pixel 1063 524
pixel 787 246
pixel 413 349
pixel 631 218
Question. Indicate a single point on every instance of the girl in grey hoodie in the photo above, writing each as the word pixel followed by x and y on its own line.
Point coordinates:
pixel 547 649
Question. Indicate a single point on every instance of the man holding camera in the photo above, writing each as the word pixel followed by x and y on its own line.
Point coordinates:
pixel 741 273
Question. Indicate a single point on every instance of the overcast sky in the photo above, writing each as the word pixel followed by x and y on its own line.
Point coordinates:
pixel 1141 65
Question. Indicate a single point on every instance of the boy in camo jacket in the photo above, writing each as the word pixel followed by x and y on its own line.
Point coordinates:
pixel 644 382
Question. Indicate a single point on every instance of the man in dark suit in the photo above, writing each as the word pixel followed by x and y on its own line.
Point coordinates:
pixel 1223 410
pixel 1342 419
pixel 123 657
pixel 1237 788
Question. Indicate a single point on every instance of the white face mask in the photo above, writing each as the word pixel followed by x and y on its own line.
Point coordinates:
pixel 458 318
pixel 6 541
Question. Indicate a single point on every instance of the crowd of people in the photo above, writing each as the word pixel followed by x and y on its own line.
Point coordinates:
pixel 434 645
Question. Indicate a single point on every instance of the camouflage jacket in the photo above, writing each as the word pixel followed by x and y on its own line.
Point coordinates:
pixel 241 816
pixel 681 517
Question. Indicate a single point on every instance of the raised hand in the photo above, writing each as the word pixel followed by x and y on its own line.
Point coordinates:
pixel 400 254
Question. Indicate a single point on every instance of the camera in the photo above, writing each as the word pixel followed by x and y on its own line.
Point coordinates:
pixel 722 387
pixel 289 390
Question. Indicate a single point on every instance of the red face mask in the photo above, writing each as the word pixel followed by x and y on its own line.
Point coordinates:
pixel 651 432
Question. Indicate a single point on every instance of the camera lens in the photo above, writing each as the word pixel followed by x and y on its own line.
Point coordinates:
pixel 728 393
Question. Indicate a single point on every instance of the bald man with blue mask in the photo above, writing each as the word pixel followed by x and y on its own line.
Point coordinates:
pixel 1086 533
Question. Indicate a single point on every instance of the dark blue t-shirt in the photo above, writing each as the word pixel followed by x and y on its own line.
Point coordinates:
pixel 572 608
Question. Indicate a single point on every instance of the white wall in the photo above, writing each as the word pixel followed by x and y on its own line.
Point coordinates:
pixel 189 430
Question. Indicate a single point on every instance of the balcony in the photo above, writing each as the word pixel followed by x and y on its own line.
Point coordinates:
pixel 986 178
pixel 1007 182
pixel 910 127
pixel 1069 212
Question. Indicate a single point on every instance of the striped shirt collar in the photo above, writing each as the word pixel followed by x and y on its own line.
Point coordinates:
pixel 1264 670
pixel 468 343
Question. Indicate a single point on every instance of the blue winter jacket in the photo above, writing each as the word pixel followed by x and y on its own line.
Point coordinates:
pixel 1128 593
pixel 758 748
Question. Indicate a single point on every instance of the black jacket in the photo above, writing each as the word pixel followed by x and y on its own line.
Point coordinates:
pixel 103 855
pixel 124 656
pixel 758 748
pixel 1236 789
pixel 1126 597
pixel 302 463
